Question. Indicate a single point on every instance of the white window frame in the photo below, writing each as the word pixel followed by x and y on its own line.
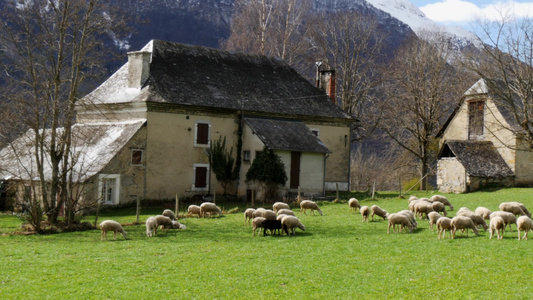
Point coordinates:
pixel 142 157
pixel 200 189
pixel 208 134
pixel 116 188
pixel 317 131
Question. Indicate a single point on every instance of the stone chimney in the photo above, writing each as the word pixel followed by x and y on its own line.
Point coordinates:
pixel 138 68
pixel 327 83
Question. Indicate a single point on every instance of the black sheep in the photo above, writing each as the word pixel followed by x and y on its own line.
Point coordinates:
pixel 271 225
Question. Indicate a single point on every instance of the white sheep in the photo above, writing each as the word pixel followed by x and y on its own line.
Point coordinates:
pixel 478 219
pixel 412 198
pixel 286 212
pixel 166 223
pixel 110 225
pixel 484 212
pixel 258 212
pixel 290 223
pixel 280 205
pixel 513 208
pixel 269 214
pixel 412 205
pixel 443 224
pixel 508 217
pixel 151 226
pixel 439 207
pixel 410 216
pixel 524 223
pixel 210 209
pixel 308 204
pixel 433 217
pixel 423 207
pixel 399 219
pixel 496 224
pixel 257 223
pixel 170 214
pixel 354 204
pixel 248 215
pixel 464 211
pixel 194 210
pixel 376 210
pixel 281 216
pixel 365 212
pixel 178 225
pixel 441 199
pixel 461 222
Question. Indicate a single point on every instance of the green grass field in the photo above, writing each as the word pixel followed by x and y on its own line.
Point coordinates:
pixel 338 256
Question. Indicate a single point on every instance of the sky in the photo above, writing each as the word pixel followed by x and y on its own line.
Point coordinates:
pixel 465 12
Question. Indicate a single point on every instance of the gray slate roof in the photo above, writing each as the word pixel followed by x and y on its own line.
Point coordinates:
pixel 286 135
pixel 480 158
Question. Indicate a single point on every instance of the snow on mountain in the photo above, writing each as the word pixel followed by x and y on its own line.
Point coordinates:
pixel 409 14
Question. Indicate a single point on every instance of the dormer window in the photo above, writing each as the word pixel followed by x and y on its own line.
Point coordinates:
pixel 476 118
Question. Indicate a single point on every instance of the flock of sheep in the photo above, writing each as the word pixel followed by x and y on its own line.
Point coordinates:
pixel 281 218
pixel 434 210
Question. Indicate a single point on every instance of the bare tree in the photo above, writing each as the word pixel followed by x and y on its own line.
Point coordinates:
pixel 352 44
pixel 421 90
pixel 49 49
pixel 506 65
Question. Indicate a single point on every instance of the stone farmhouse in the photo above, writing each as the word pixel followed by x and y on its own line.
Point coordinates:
pixel 479 145
pixel 145 132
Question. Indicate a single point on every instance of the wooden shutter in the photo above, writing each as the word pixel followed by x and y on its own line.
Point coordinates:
pixel 202 133
pixel 200 177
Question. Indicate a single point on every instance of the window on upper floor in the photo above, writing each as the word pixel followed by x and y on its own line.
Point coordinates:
pixel 202 134
pixel 476 116
pixel 137 157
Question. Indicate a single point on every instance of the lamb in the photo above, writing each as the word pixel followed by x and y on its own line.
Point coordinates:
pixel 507 217
pixel 443 224
pixel 376 210
pixel 290 223
pixel 151 226
pixel 433 217
pixel 269 214
pixel 513 208
pixel 484 212
pixel 170 214
pixel 354 204
pixel 423 207
pixel 110 225
pixel 365 212
pixel 280 205
pixel 178 225
pixel 257 223
pixel 439 207
pixel 442 199
pixel 194 210
pixel 271 225
pixel 399 219
pixel 410 216
pixel 166 223
pixel 248 215
pixel 461 222
pixel 209 208
pixel 286 212
pixel 497 224
pixel 524 223
pixel 308 204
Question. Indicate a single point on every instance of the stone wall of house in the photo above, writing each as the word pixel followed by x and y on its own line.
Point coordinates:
pixel 451 176
pixel 475 183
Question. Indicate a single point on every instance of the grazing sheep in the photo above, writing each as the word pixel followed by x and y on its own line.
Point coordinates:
pixel 376 210
pixel 439 207
pixel 290 223
pixel 170 214
pixel 258 212
pixel 412 205
pixel 524 223
pixel 442 199
pixel 365 212
pixel 423 207
pixel 286 212
pixel 281 216
pixel 151 226
pixel 269 214
pixel 399 219
pixel 523 207
pixel 164 222
pixel 478 220
pixel 433 217
pixel 194 210
pixel 464 211
pixel 272 225
pixel 410 216
pixel 513 208
pixel 280 205
pixel 178 225
pixel 354 204
pixel 443 224
pixel 497 224
pixel 308 204
pixel 248 215
pixel 209 208
pixel 508 217
pixel 110 225
pixel 257 223
pixel 484 212
pixel 412 198
pixel 461 222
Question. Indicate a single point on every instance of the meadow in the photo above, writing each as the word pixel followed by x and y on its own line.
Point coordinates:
pixel 337 257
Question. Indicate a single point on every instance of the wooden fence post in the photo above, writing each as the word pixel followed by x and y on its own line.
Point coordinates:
pixel 177 206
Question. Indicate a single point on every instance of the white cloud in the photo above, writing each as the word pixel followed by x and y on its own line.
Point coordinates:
pixel 458 11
